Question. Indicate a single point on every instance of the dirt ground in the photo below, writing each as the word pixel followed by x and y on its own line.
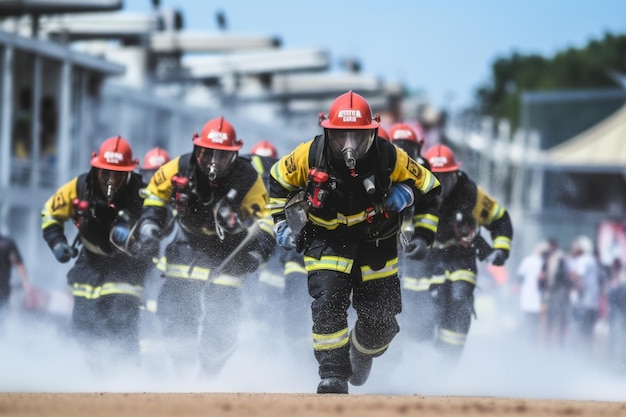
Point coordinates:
pixel 283 405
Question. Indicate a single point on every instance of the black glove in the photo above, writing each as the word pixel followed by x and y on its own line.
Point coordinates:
pixel 416 248
pixel 63 252
pixel 147 242
pixel 498 257
pixel 228 220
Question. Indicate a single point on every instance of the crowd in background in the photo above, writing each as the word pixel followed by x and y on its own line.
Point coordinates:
pixel 570 300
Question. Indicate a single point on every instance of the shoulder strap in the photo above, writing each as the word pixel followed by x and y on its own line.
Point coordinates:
pixel 316 153
pixel 386 162
pixel 81 187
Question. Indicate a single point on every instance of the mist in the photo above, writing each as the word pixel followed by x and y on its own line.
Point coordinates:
pixel 38 355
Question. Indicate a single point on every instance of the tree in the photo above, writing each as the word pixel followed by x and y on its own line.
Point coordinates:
pixel 593 66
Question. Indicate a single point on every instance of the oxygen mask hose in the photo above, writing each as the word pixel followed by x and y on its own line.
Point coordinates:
pixel 370 186
pixel 349 157
pixel 212 173
pixel 110 192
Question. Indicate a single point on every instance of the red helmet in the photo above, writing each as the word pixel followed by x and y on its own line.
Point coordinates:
pixel 218 134
pixel 264 148
pixel 441 159
pixel 350 111
pixel 383 133
pixel 115 154
pixel 402 131
pixel 154 158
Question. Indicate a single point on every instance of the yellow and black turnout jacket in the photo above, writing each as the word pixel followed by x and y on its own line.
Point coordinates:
pixel 349 211
pixel 95 226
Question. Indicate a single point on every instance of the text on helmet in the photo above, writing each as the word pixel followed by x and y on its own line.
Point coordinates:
pixel 438 161
pixel 219 137
pixel 113 157
pixel 349 115
pixel 157 160
pixel 402 134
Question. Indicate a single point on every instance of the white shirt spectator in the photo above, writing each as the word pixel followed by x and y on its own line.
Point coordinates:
pixel 584 267
pixel 528 271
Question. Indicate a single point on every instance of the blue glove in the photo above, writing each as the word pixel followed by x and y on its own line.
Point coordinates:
pixel 147 243
pixel 120 234
pixel 284 235
pixel 417 248
pixel 63 252
pixel 498 257
pixel 399 198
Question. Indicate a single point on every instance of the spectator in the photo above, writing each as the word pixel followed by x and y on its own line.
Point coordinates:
pixel 616 298
pixel 584 273
pixel 22 128
pixel 10 257
pixel 529 272
pixel 49 121
pixel 555 287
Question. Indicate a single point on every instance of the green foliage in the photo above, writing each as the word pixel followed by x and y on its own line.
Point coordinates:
pixel 590 67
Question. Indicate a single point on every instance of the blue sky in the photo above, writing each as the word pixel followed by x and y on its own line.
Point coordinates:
pixel 443 48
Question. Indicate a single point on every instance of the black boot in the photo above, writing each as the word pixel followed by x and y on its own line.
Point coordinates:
pixel 332 385
pixel 361 366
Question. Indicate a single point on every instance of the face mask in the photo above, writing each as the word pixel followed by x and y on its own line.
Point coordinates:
pixel 350 145
pixel 214 162
pixel 111 182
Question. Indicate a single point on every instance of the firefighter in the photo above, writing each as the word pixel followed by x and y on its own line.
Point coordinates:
pixel 10 257
pixel 221 236
pixel 411 140
pixel 150 334
pixel 382 132
pixel 350 186
pixel 282 280
pixel 152 160
pixel 106 280
pixel 439 300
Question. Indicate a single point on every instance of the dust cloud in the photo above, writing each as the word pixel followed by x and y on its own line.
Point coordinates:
pixel 38 355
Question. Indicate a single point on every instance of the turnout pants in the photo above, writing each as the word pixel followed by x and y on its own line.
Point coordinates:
pixel 107 296
pixel 366 275
pixel 200 314
pixel 447 282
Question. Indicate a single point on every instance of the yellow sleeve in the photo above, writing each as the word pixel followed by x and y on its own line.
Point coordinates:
pixel 159 189
pixel 291 171
pixel 289 174
pixel 408 169
pixel 487 210
pixel 256 197
pixel 59 208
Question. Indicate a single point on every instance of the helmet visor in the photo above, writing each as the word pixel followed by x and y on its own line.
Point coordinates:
pixel 358 140
pixel 111 182
pixel 214 162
